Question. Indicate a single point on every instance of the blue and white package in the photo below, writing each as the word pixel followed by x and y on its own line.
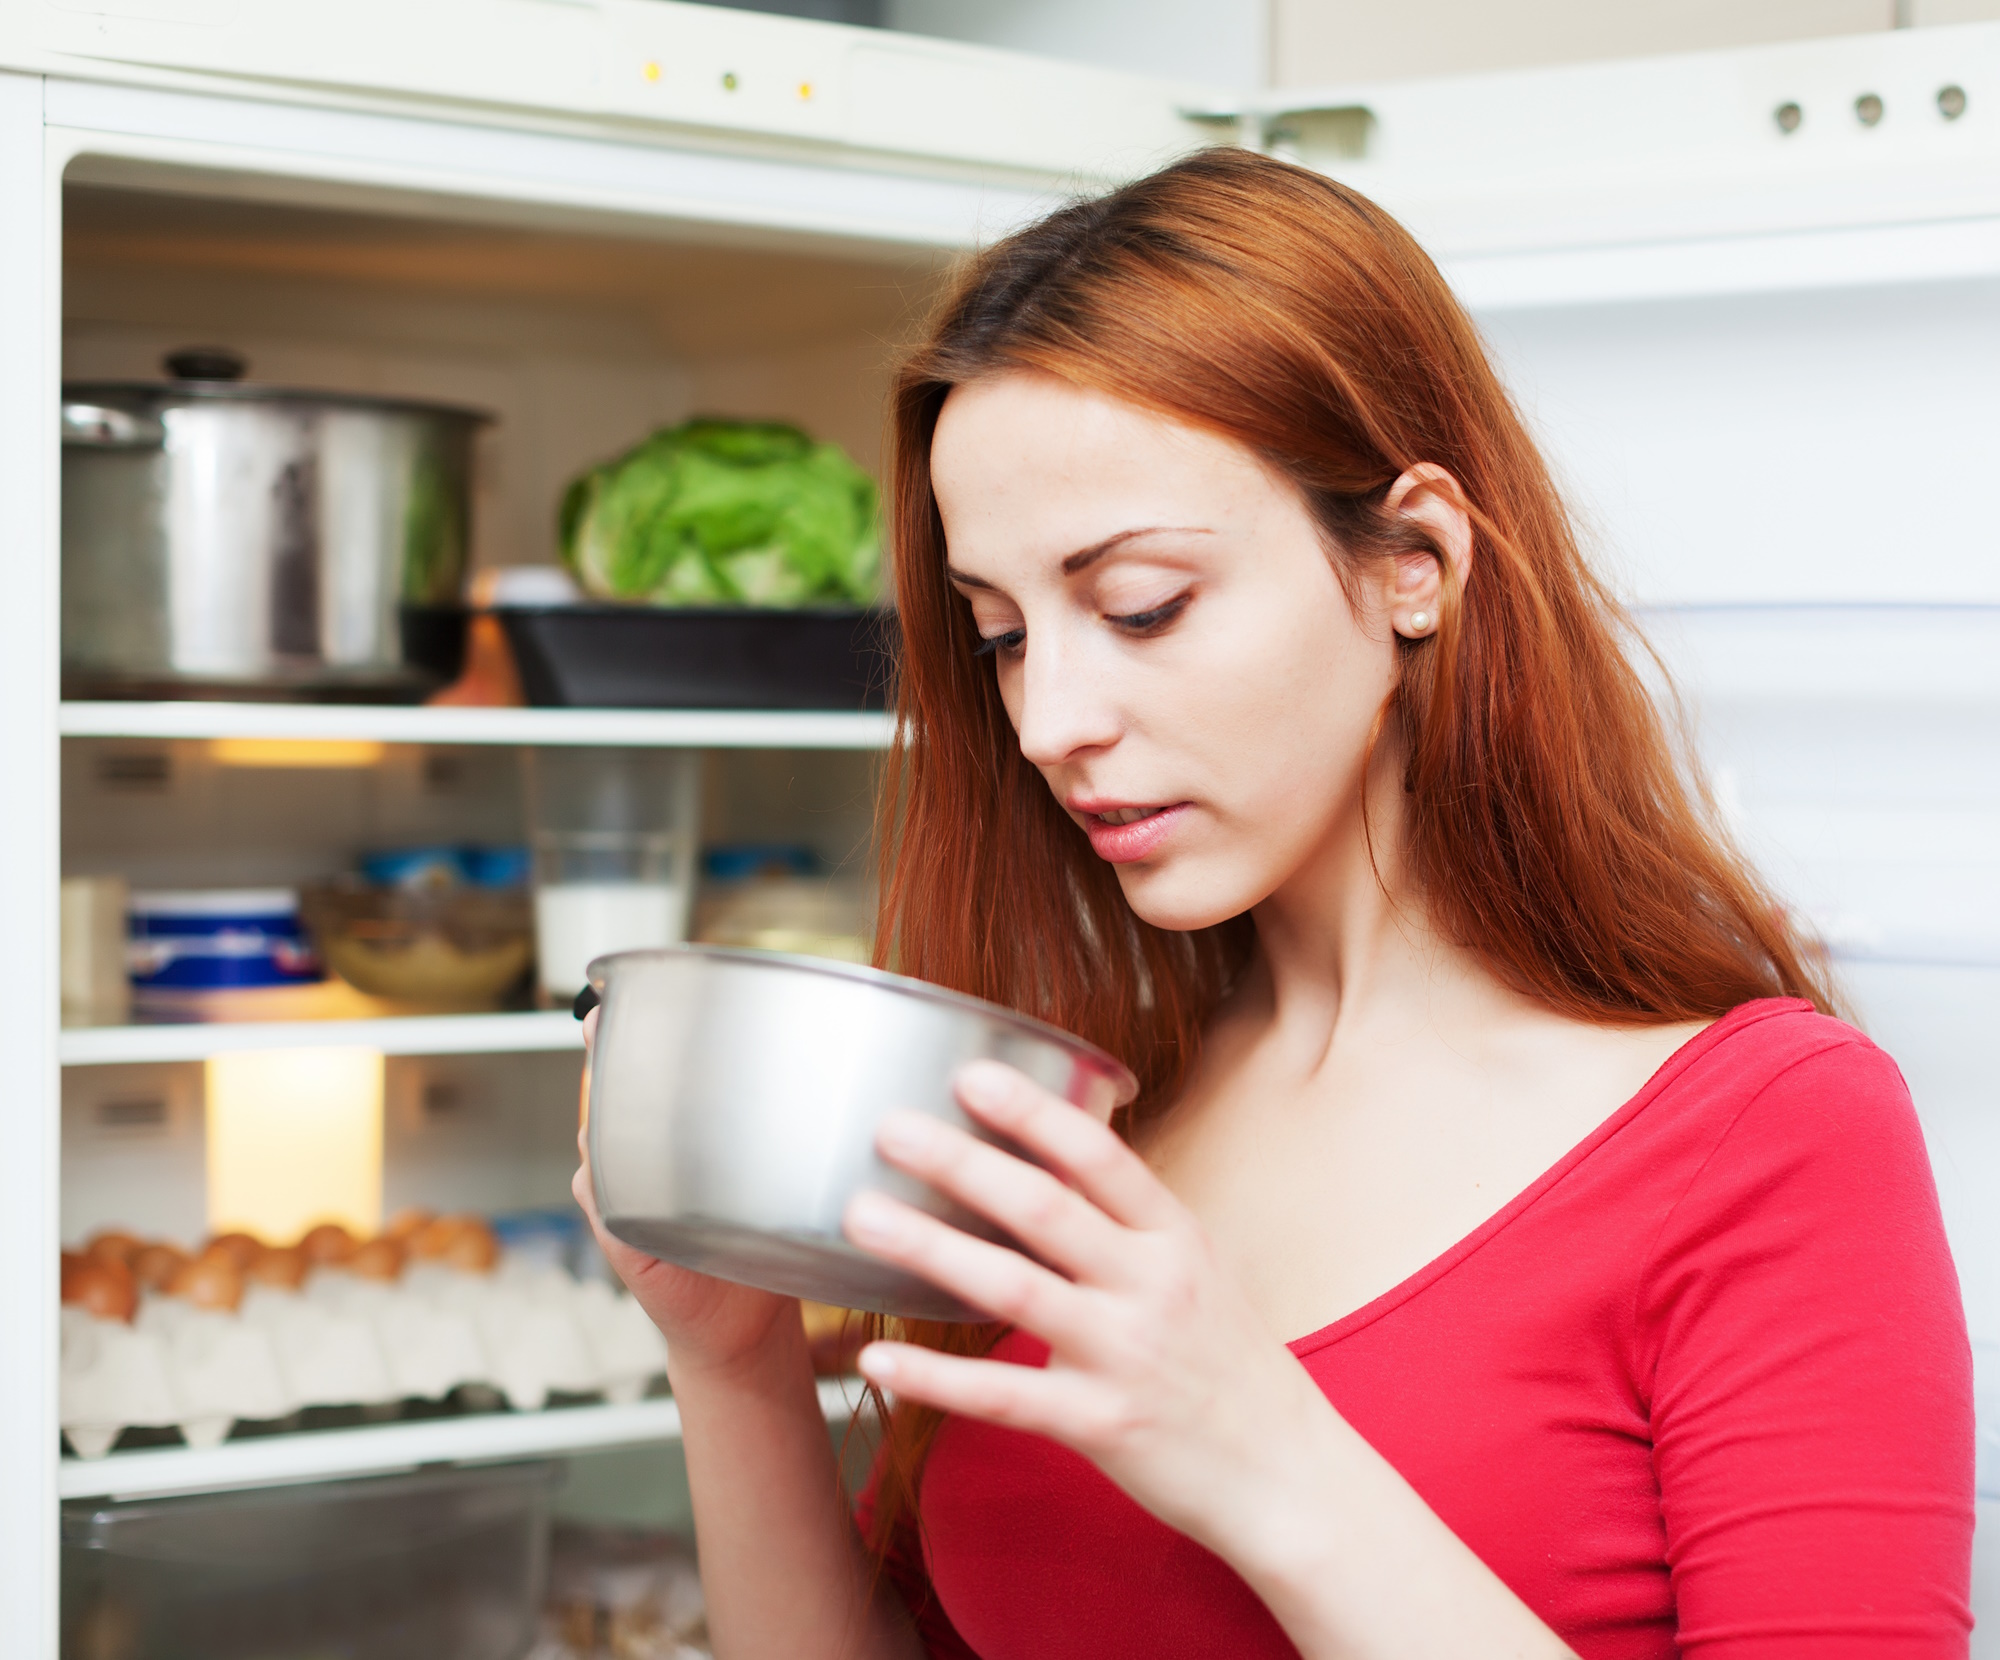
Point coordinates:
pixel 443 867
pixel 496 867
pixel 213 940
pixel 414 867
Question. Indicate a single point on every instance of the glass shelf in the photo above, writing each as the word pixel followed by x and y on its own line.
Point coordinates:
pixel 435 1034
pixel 323 1455
pixel 421 724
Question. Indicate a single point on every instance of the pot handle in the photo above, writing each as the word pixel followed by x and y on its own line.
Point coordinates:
pixel 97 427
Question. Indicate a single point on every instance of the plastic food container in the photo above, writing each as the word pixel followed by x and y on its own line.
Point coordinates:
pixel 658 657
pixel 441 1565
pixel 775 909
pixel 217 940
pixel 622 1593
pixel 451 947
pixel 96 987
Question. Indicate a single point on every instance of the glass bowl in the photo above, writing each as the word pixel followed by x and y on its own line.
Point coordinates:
pixel 451 947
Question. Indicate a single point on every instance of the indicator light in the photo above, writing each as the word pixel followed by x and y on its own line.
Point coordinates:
pixel 729 80
pixel 651 71
pixel 805 90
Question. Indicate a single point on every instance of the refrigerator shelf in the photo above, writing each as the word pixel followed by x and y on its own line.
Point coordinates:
pixel 323 1455
pixel 422 724
pixel 436 1034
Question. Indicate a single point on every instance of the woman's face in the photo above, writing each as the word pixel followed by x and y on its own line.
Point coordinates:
pixel 1169 638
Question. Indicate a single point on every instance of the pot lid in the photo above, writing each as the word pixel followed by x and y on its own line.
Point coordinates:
pixel 215 373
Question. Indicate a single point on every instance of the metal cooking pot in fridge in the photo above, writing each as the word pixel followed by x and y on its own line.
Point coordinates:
pixel 250 540
pixel 734 1099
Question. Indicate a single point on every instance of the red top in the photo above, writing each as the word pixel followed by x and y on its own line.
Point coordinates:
pixel 1703 1388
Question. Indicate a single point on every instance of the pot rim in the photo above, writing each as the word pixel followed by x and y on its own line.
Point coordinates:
pixel 167 392
pixel 923 991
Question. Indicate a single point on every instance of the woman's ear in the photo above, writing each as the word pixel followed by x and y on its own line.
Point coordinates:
pixel 1429 496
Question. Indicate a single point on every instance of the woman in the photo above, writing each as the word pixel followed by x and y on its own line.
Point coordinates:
pixel 1261 722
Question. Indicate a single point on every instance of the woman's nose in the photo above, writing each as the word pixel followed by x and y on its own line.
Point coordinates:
pixel 1063 709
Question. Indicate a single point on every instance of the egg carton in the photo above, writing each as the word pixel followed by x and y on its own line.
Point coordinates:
pixel 526 1331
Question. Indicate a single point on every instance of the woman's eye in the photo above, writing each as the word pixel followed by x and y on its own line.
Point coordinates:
pixel 1153 620
pixel 1010 642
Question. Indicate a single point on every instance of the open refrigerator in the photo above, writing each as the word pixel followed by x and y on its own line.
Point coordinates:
pixel 1750 301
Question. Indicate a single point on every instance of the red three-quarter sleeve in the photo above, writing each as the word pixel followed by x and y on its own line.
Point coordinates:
pixel 1811 1392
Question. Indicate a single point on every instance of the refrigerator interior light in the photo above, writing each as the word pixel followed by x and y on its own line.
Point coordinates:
pixel 296 752
pixel 294 1139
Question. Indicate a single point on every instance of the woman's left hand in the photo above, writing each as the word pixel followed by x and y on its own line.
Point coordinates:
pixel 1159 1371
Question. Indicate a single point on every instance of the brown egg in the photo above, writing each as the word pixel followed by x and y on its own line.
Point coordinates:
pixel 241 1248
pixel 107 1289
pixel 379 1259
pixel 327 1245
pixel 281 1266
pixel 111 1245
pixel 209 1282
pixel 156 1265
pixel 435 1237
pixel 473 1248
pixel 408 1223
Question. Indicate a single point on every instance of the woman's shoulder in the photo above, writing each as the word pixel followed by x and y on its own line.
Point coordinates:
pixel 1782 1097
pixel 1810 1207
pixel 1782 1047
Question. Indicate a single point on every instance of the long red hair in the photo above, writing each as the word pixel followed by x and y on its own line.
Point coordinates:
pixel 1550 825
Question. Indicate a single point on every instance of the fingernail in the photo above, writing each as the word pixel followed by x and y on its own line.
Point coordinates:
pixel 871 1217
pixel 983 1084
pixel 877 1363
pixel 905 1132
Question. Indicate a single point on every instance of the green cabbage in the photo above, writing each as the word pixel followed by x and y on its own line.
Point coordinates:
pixel 724 513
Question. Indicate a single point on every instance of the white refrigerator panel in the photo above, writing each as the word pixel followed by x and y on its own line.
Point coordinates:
pixel 1789 448
pixel 1796 485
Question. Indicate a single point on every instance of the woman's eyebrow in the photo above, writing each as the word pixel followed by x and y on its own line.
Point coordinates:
pixel 1084 558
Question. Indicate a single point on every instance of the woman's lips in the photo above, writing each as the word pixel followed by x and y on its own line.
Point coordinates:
pixel 1123 843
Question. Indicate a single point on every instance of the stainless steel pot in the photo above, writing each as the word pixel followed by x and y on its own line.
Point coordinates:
pixel 734 1098
pixel 244 539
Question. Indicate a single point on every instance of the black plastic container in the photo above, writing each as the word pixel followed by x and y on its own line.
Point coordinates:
pixel 649 657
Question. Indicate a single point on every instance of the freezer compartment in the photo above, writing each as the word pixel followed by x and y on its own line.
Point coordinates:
pixel 440 1565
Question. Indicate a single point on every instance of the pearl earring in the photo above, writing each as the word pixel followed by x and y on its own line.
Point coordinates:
pixel 1420 622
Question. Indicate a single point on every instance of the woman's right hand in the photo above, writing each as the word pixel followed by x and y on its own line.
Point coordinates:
pixel 709 1324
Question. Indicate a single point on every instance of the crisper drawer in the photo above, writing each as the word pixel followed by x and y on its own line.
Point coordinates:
pixel 441 1565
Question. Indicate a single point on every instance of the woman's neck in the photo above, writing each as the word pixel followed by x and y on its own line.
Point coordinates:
pixel 1347 945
